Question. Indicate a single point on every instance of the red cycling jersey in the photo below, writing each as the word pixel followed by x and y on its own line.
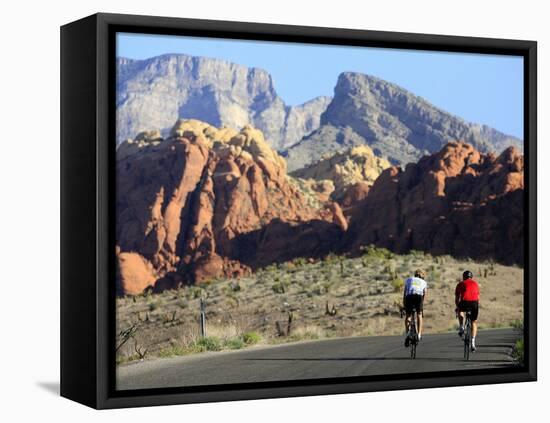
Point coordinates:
pixel 467 290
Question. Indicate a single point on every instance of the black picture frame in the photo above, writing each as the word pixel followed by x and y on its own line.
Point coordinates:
pixel 87 198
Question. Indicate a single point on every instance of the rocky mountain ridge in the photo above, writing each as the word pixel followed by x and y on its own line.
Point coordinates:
pixel 395 123
pixel 153 93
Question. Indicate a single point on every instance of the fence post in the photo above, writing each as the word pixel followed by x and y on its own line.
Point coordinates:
pixel 202 320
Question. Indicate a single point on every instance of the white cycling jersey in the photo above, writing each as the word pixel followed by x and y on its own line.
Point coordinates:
pixel 415 286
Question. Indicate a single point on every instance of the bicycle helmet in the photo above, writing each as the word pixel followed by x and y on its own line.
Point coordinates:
pixel 467 275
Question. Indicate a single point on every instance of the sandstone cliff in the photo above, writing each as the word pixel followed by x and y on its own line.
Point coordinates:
pixel 185 203
pixel 347 168
pixel 458 201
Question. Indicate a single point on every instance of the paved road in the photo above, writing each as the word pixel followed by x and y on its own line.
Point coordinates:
pixel 320 359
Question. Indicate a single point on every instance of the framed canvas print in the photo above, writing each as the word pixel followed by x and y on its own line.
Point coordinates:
pixel 256 211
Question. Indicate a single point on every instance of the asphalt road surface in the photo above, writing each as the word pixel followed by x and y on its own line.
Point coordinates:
pixel 341 357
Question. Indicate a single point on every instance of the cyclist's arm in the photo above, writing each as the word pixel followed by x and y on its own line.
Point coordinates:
pixel 457 296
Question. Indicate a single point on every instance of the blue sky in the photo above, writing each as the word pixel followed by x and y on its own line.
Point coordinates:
pixel 479 88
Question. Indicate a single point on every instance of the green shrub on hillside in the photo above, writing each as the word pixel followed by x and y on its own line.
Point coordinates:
pixel 397 284
pixel 208 343
pixel 375 252
pixel 519 351
pixel 279 287
pixel 251 338
pixel 235 343
pixel 517 324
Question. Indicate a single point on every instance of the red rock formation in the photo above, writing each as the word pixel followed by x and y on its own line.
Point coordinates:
pixel 135 274
pixel 183 201
pixel 457 202
pixel 353 196
pixel 208 203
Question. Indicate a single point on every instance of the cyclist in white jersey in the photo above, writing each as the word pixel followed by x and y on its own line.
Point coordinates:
pixel 414 293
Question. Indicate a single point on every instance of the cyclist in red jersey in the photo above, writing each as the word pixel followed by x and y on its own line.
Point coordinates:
pixel 467 299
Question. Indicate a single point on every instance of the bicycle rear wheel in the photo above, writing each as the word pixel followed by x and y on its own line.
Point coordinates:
pixel 414 335
pixel 467 338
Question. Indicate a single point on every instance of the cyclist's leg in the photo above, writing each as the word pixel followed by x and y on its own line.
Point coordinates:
pixel 408 312
pixel 407 329
pixel 475 313
pixel 407 322
pixel 461 318
pixel 420 316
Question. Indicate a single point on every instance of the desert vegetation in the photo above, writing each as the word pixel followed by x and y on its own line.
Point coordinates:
pixel 306 299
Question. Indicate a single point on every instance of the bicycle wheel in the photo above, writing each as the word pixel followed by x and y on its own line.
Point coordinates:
pixel 414 335
pixel 467 337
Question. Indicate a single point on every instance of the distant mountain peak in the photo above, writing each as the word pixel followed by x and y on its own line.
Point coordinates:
pixel 396 123
pixel 154 92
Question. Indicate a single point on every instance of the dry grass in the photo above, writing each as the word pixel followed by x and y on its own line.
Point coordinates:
pixel 364 292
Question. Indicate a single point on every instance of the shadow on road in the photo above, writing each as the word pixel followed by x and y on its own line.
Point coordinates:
pixel 509 346
pixel 429 359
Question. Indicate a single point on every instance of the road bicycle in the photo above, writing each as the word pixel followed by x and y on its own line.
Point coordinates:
pixel 413 333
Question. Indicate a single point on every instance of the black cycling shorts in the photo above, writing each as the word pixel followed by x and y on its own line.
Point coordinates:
pixel 414 301
pixel 472 306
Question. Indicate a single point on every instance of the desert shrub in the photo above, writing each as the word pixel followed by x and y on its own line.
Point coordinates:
pixel 251 338
pixel 320 289
pixel 270 268
pixel 389 269
pixel 232 288
pixel 517 324
pixel 169 317
pixel 194 292
pixel 327 285
pixel 404 269
pixel 208 343
pixel 330 259
pixel 235 343
pixel 397 284
pixel 300 261
pixel 172 351
pixel 279 288
pixel 434 276
pixel 155 305
pixel 309 332
pixel 375 252
pixel 518 353
pixel 417 253
pixel 233 299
